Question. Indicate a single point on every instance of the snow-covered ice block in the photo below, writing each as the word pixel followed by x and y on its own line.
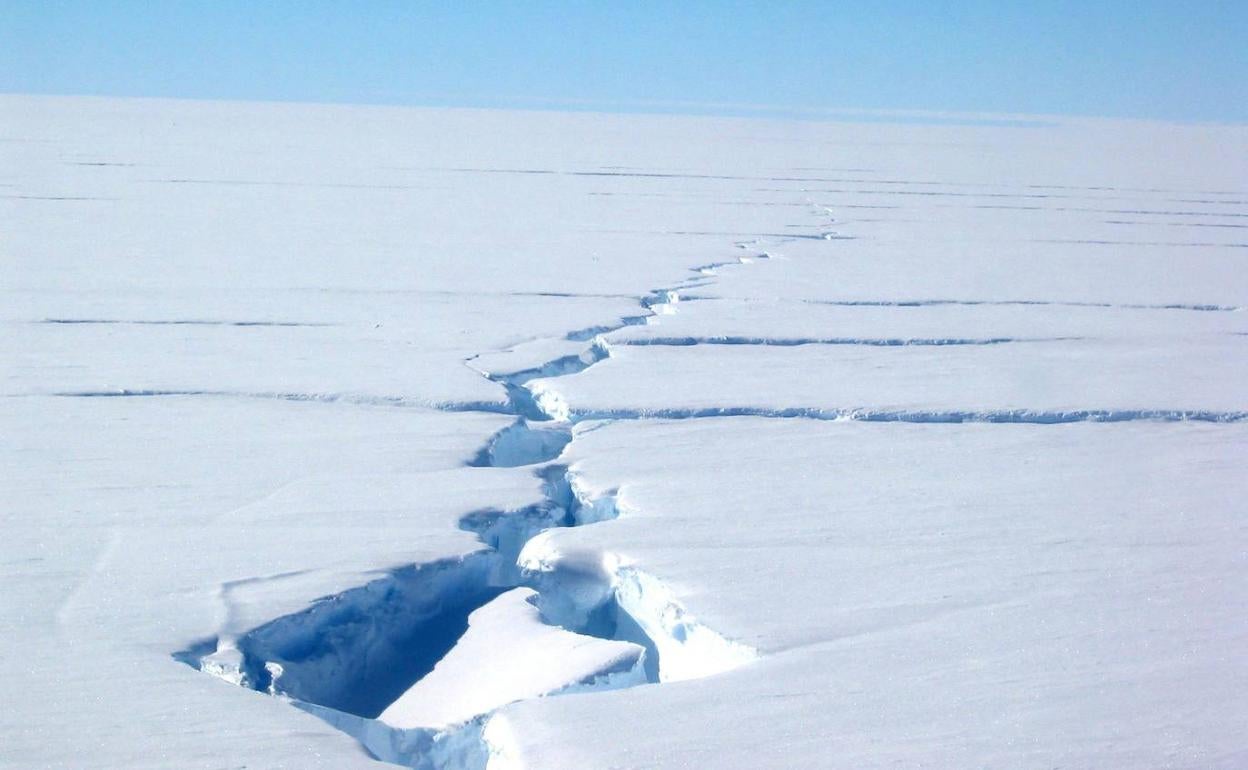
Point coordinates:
pixel 507 654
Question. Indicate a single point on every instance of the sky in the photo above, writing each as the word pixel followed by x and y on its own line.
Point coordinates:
pixel 1115 58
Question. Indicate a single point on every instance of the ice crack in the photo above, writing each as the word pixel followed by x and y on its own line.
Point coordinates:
pixel 359 658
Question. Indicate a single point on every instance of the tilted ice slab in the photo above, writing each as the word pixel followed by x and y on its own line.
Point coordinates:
pixel 1015 595
pixel 508 654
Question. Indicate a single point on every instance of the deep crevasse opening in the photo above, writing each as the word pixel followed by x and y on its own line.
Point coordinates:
pixel 350 658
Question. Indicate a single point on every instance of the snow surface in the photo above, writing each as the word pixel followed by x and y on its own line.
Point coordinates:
pixel 471 439
pixel 957 595
pixel 506 655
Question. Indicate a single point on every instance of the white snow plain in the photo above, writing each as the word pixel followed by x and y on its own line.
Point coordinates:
pixel 479 439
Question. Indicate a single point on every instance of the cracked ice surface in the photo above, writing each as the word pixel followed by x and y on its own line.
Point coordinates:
pixel 1062 592
pixel 1044 381
pixel 305 397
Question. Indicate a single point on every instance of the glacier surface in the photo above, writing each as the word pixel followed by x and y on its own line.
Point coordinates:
pixel 466 439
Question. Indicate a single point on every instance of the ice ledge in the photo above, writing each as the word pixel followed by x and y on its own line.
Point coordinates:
pixel 607 596
pixel 508 654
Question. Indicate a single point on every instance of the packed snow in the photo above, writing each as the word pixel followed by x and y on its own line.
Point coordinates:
pixel 490 440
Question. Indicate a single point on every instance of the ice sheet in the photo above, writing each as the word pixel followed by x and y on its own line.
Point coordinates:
pixel 292 394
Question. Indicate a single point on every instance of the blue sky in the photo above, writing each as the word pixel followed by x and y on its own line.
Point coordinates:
pixel 1169 60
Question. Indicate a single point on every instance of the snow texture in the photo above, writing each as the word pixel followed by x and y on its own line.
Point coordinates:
pixel 476 440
